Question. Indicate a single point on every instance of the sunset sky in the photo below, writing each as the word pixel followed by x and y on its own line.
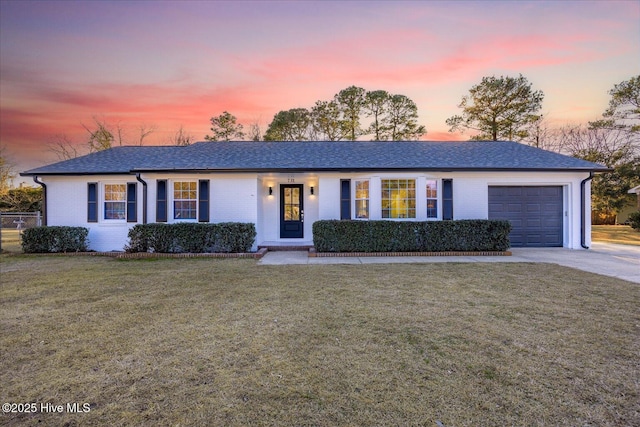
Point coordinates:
pixel 167 64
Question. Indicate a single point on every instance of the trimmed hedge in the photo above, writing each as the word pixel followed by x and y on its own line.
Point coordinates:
pixel 227 237
pixel 634 220
pixel 54 239
pixel 411 236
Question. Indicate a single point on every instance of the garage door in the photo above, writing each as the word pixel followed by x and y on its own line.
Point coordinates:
pixel 535 214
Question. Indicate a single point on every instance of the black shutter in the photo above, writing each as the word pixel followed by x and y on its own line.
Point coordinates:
pixel 345 199
pixel 161 200
pixel 92 202
pixel 203 200
pixel 447 199
pixel 132 205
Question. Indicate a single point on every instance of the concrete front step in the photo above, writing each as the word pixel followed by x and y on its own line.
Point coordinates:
pixel 286 246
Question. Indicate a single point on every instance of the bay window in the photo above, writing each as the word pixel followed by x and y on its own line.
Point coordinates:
pixel 398 198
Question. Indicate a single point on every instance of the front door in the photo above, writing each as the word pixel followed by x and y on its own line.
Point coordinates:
pixel 291 211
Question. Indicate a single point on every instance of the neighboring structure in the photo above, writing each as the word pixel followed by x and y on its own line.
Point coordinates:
pixel 636 191
pixel 283 187
pixel 633 206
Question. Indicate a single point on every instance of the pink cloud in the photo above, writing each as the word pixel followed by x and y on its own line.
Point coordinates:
pixel 254 59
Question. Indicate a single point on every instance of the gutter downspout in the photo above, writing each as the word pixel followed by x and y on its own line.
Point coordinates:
pixel 44 198
pixel 583 221
pixel 144 198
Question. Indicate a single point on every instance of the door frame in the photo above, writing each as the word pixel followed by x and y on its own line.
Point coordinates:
pixel 291 229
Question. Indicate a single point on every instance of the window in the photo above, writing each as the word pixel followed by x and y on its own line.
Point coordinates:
pixel 398 198
pixel 362 199
pixel 115 201
pixel 185 198
pixel 432 198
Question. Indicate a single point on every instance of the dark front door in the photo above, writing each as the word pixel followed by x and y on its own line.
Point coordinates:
pixel 291 211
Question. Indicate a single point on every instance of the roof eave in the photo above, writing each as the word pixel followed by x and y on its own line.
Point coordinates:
pixel 303 170
pixel 29 173
pixel 372 169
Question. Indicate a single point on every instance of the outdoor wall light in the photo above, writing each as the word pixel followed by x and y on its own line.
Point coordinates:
pixel 312 190
pixel 271 191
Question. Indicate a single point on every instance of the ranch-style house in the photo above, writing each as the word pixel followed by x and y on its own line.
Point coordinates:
pixel 284 187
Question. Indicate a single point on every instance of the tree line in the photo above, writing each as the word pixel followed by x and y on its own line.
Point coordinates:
pixel 497 108
pixel 391 118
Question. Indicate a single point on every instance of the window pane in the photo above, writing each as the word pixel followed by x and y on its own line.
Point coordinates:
pixel 184 210
pixel 362 209
pixel 398 198
pixel 114 210
pixel 432 189
pixel 432 208
pixel 362 189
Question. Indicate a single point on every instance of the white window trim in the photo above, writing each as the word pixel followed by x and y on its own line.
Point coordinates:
pixel 102 192
pixel 172 214
pixel 438 199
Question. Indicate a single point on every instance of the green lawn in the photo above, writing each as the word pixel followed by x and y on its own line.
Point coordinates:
pixel 229 342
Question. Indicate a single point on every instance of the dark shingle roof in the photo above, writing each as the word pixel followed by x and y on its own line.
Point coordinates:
pixel 321 156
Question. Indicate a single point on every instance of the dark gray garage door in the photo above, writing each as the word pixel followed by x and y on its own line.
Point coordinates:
pixel 535 214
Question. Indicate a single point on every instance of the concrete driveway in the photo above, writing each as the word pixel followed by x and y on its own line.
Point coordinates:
pixel 621 261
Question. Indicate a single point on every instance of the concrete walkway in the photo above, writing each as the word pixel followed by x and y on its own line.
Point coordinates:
pixel 621 261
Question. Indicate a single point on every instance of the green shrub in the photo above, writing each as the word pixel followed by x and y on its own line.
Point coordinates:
pixel 228 237
pixel 54 239
pixel 411 236
pixel 634 220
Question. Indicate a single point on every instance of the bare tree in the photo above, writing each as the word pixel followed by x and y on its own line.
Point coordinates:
pixel 541 135
pixel 101 138
pixel 612 147
pixel 181 138
pixel 602 145
pixel 145 130
pixel 6 171
pixel 62 146
pixel 255 132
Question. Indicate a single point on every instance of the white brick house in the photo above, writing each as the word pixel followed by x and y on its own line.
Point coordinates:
pixel 283 187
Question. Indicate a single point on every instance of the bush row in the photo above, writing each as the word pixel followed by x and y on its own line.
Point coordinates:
pixel 228 237
pixel 410 236
pixel 54 239
pixel 634 220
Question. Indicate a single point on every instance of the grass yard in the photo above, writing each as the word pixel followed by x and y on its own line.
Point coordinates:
pixel 228 342
pixel 622 234
pixel 10 240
